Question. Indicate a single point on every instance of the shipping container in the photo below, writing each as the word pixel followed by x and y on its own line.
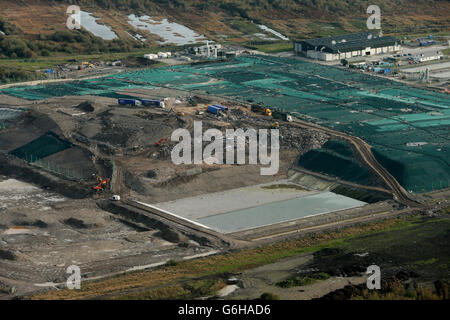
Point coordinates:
pixel 220 107
pixel 214 110
pixel 153 103
pixel 132 102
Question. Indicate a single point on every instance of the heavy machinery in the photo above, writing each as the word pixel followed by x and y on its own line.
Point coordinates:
pixel 102 184
pixel 192 102
pixel 266 111
pixel 161 142
pixel 282 116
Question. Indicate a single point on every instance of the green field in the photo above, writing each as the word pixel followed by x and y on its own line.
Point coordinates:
pixel 275 47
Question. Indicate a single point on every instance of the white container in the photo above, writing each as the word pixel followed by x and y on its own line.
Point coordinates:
pixel 162 55
pixel 151 56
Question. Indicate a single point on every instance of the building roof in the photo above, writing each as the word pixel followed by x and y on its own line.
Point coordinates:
pixel 430 54
pixel 350 42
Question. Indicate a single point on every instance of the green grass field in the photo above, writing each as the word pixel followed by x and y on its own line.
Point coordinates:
pixel 275 47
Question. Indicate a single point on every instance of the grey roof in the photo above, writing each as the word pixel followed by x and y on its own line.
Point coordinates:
pixel 349 42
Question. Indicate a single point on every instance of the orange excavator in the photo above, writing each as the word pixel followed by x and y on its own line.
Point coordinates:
pixel 102 183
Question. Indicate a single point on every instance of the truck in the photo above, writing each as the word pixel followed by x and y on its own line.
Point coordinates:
pixel 282 116
pixel 257 108
pixel 133 102
pixel 153 103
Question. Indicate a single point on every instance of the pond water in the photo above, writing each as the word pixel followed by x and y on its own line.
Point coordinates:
pixel 88 22
pixel 171 32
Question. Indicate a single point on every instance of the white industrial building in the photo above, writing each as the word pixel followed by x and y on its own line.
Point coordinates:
pixel 347 46
pixel 208 50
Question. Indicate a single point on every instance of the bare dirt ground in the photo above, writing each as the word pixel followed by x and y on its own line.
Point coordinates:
pixel 43 232
pixel 263 279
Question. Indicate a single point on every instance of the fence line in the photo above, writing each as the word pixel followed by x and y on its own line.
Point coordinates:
pixel 69 173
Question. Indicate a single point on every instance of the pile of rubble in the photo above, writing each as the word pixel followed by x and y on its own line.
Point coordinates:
pixel 300 139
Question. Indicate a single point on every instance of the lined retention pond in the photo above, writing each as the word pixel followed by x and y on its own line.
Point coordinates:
pixel 278 212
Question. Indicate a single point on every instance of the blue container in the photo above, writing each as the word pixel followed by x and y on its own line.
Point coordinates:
pixel 220 107
pixel 151 102
pixel 213 109
pixel 132 102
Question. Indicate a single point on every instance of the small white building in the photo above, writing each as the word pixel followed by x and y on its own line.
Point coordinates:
pixel 151 56
pixel 162 55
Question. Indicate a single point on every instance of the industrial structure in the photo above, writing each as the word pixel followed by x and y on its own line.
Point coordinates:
pixel 208 50
pixel 429 56
pixel 346 46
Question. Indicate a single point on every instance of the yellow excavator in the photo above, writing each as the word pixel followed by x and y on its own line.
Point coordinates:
pixel 266 111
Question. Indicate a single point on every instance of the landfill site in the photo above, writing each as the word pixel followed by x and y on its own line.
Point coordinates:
pixel 87 178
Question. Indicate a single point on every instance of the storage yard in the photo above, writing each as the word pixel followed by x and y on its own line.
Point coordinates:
pixel 354 148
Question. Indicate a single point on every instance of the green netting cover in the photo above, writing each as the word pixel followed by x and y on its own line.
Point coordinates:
pixel 41 147
pixel 405 125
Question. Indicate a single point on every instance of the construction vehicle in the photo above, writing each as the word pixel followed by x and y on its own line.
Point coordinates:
pixel 266 111
pixel 102 183
pixel 192 102
pixel 161 141
pixel 282 116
